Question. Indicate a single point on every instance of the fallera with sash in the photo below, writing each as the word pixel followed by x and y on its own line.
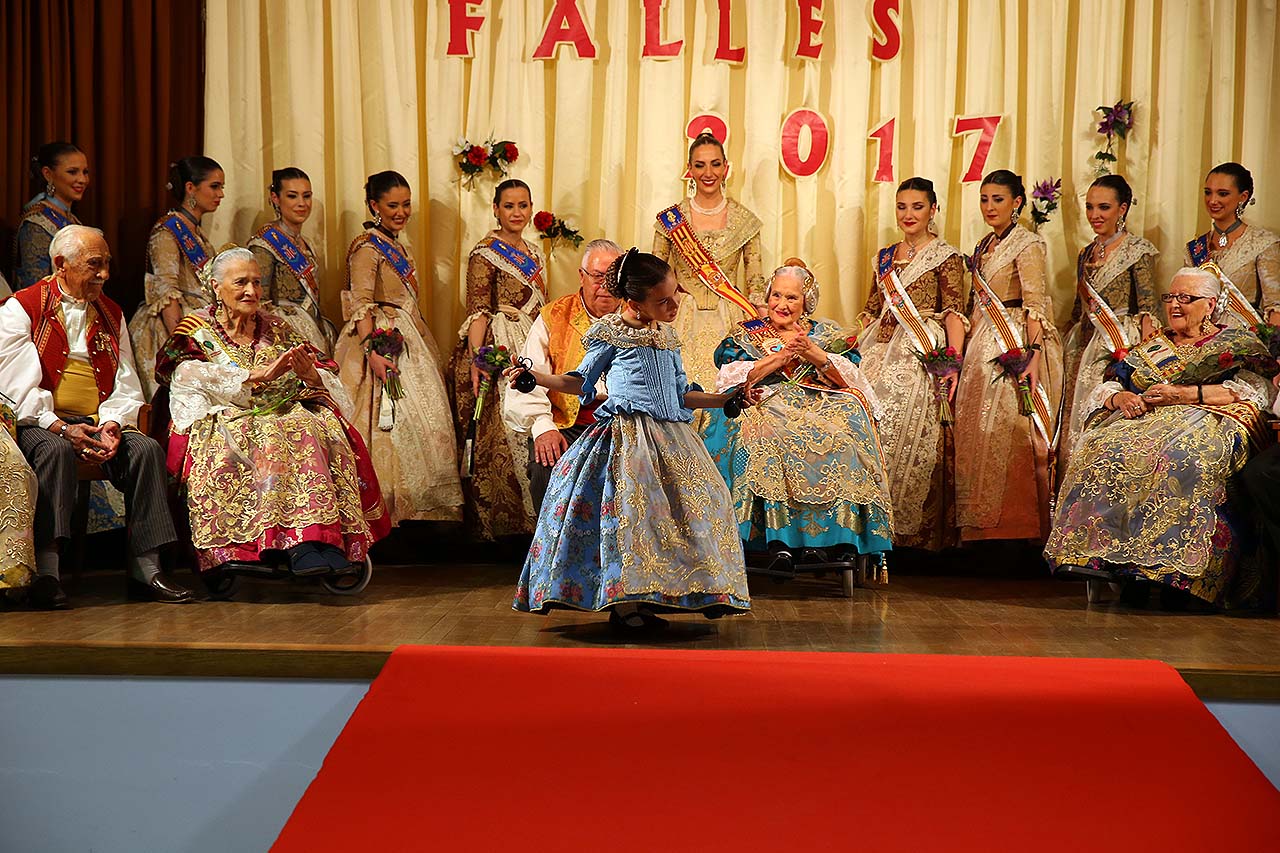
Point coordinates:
pixel 911 299
pixel 1147 498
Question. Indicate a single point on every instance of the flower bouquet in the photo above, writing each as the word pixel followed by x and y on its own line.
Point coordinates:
pixel 388 343
pixel 940 363
pixel 473 159
pixel 553 228
pixel 491 360
pixel 1013 363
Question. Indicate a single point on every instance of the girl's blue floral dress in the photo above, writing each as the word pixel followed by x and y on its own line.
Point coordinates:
pixel 636 510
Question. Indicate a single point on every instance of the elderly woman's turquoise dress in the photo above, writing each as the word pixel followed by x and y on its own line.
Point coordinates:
pixel 804 467
pixel 636 511
pixel 1147 499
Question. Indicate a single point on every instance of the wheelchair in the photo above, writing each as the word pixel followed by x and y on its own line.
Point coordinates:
pixel 223 582
pixel 783 563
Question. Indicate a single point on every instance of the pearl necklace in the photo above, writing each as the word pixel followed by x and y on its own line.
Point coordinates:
pixel 710 211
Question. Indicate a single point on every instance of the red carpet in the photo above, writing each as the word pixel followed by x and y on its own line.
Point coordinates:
pixel 610 749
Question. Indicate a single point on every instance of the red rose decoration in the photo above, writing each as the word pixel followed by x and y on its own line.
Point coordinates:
pixel 950 352
pixel 510 152
pixel 1120 354
pixel 542 220
pixel 1226 359
pixel 476 155
pixel 1016 352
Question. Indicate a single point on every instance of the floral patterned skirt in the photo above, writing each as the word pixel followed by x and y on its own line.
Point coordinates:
pixel 1146 499
pixel 272 481
pixel 636 511
pixel 804 469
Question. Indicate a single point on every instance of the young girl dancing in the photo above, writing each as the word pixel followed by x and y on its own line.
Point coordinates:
pixel 637 519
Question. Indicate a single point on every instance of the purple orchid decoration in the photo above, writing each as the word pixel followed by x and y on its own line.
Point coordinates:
pixel 1117 121
pixel 1044 200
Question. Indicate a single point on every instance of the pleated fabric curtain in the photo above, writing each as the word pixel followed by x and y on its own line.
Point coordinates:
pixel 344 88
pixel 123 80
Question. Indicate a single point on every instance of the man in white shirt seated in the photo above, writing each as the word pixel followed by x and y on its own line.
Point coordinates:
pixel 555 346
pixel 66 359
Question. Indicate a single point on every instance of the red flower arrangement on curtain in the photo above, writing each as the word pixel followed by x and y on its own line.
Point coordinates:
pixel 494 155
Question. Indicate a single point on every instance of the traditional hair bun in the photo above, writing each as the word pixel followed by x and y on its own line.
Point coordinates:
pixel 795 262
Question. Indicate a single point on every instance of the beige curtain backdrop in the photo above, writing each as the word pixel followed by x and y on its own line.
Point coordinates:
pixel 343 88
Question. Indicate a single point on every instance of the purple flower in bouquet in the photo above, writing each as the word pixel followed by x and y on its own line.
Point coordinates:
pixel 1013 363
pixel 940 363
pixel 388 343
pixel 491 360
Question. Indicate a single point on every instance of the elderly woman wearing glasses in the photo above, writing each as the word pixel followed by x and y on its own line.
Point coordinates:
pixel 1144 499
pixel 804 466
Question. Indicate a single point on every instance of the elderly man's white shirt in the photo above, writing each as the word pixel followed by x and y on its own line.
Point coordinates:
pixel 531 412
pixel 21 374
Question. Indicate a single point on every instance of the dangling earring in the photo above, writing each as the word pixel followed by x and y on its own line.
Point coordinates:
pixel 48 189
pixel 1241 206
pixel 930 227
pixel 691 186
pixel 1120 225
pixel 377 220
pixel 728 167
pixel 190 203
pixel 1017 214
pixel 276 208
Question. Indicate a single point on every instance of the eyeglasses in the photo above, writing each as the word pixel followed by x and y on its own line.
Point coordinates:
pixel 1180 298
pixel 594 276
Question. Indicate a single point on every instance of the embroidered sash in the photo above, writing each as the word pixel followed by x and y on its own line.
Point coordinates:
pixel 899 303
pixel 1098 311
pixel 399 260
pixel 1008 338
pixel 1198 250
pixel 522 263
pixel 704 266
pixel 291 255
pixel 190 247
pixel 51 213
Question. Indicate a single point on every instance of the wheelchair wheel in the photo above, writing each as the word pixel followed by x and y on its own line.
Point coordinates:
pixel 848 582
pixel 351 583
pixel 221 586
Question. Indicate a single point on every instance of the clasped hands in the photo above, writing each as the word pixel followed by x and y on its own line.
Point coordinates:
pixel 300 359
pixel 94 443
pixel 1132 405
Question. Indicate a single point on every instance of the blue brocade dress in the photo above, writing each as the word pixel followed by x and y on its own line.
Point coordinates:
pixel 636 511
pixel 804 467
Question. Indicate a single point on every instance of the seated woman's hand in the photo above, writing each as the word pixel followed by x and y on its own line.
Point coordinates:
pixel 302 361
pixel 1128 404
pixel 282 365
pixel 1168 395
pixel 804 347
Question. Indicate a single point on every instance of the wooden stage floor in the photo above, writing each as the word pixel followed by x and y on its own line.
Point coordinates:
pixel 292 630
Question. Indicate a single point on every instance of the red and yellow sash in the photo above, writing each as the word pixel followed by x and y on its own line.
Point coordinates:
pixel 1008 338
pixel 696 256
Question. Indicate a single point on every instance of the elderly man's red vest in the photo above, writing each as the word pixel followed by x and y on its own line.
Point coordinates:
pixel 41 301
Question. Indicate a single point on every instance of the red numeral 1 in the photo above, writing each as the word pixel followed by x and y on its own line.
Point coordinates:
pixel 884 167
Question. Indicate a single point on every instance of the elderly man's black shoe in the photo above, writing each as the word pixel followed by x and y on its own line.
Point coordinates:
pixel 46 594
pixel 161 589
